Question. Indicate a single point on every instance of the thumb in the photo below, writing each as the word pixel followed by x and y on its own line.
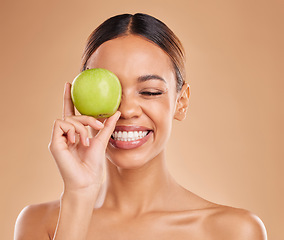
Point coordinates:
pixel 105 133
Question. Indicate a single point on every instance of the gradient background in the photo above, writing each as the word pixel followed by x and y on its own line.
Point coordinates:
pixel 229 149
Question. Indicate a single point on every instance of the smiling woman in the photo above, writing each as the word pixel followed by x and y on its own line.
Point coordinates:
pixel 139 199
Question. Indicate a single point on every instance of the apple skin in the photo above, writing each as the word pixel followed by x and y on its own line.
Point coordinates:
pixel 96 92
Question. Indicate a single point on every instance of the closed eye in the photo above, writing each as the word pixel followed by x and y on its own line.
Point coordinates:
pixel 151 93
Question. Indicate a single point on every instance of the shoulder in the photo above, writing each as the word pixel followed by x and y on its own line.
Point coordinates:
pixel 235 224
pixel 36 221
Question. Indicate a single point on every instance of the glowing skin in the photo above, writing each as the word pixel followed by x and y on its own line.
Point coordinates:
pixel 130 64
pixel 139 199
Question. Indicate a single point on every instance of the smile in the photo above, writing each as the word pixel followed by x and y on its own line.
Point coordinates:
pixel 129 137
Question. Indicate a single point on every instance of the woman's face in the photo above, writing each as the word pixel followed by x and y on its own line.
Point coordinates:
pixel 148 102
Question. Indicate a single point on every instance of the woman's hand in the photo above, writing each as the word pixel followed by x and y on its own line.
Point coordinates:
pixel 80 159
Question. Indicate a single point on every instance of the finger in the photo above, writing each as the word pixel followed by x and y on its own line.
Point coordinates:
pixel 62 130
pixel 105 133
pixel 68 130
pixel 88 121
pixel 68 107
pixel 80 129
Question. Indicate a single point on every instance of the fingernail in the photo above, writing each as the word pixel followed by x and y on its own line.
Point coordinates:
pixel 88 141
pixel 100 123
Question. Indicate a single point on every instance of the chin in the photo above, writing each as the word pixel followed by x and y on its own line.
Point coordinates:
pixel 127 163
pixel 137 157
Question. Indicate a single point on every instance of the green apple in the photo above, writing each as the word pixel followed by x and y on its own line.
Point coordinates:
pixel 96 92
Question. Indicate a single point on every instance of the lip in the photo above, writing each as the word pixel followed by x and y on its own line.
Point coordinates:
pixel 130 144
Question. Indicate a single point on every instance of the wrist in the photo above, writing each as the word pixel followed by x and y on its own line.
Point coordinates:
pixel 83 192
pixel 77 196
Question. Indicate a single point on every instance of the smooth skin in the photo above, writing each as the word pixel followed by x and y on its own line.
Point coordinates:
pixel 139 198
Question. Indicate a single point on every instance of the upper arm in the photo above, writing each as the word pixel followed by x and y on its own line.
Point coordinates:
pixel 30 224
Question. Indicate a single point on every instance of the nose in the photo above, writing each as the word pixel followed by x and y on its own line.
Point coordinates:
pixel 129 107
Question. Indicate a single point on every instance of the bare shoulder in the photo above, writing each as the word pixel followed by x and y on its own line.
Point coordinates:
pixel 37 221
pixel 236 224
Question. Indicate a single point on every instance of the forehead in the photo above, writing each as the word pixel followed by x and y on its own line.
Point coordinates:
pixel 132 55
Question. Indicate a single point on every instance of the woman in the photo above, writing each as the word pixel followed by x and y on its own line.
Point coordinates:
pixel 139 199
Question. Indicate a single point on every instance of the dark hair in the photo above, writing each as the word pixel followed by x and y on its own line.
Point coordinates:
pixel 142 25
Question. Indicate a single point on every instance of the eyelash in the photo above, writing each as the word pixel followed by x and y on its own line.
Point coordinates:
pixel 151 93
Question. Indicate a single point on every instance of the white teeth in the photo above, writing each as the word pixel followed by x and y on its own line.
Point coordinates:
pixel 129 136
pixel 124 134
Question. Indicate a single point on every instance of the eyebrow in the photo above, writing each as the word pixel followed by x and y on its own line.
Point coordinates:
pixel 150 77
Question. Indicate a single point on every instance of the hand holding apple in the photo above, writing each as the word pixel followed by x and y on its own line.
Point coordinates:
pixel 79 156
pixel 96 92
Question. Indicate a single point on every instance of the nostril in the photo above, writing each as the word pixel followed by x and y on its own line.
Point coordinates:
pixel 129 108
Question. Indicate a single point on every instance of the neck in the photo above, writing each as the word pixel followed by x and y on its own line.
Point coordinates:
pixel 135 191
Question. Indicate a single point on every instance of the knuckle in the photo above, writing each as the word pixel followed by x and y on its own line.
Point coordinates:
pixel 56 122
pixel 67 118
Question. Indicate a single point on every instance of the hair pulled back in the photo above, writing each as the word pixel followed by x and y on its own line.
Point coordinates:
pixel 142 25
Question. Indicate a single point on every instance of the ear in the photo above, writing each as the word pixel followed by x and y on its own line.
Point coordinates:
pixel 182 102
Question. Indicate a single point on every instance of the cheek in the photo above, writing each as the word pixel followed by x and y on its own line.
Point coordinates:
pixel 160 111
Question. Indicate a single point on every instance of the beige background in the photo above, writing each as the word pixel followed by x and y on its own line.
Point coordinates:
pixel 228 150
